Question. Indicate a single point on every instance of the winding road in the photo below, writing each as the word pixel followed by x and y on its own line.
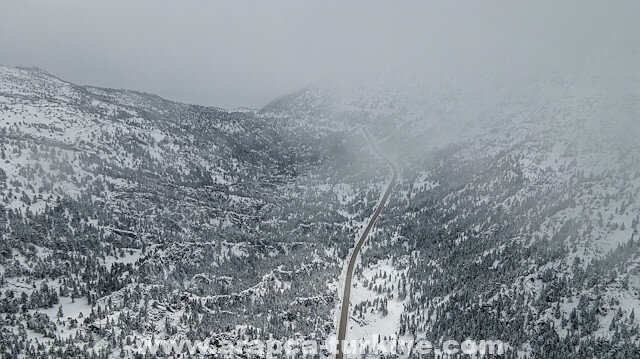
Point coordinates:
pixel 344 314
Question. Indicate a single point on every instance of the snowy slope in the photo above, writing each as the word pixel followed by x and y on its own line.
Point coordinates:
pixel 133 217
pixel 518 207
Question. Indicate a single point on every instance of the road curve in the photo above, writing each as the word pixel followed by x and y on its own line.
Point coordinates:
pixel 344 314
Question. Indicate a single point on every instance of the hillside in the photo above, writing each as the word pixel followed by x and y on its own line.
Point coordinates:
pixel 516 218
pixel 127 216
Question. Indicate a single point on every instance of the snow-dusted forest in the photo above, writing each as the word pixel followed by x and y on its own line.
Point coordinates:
pixel 432 180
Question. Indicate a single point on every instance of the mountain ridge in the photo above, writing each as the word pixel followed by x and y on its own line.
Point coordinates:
pixel 139 217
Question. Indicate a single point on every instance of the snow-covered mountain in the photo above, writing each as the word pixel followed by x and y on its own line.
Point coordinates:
pixel 125 216
pixel 517 215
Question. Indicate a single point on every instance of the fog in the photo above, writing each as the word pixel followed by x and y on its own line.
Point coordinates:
pixel 245 53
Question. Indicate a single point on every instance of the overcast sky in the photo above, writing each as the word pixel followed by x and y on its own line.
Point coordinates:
pixel 245 53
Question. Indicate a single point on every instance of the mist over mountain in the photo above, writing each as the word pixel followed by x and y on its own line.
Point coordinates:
pixel 126 216
pixel 446 173
pixel 516 195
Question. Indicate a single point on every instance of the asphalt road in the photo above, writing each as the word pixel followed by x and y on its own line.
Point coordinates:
pixel 344 315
